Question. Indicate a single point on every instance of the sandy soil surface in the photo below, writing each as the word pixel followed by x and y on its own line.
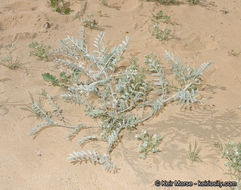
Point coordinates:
pixel 200 33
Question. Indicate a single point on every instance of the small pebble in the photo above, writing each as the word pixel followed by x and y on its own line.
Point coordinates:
pixel 38 153
pixel 47 25
pixel 224 11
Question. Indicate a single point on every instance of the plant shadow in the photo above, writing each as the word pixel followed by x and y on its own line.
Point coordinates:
pixel 206 126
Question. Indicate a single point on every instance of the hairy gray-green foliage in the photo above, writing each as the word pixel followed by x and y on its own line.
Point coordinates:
pixel 188 78
pixel 32 108
pixel 232 153
pixel 46 116
pixel 93 157
pixel 119 98
pixel 154 66
pixel 149 143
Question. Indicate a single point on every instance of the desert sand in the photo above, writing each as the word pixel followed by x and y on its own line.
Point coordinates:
pixel 204 32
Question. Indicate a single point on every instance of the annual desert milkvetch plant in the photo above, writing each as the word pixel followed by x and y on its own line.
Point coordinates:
pixel 120 94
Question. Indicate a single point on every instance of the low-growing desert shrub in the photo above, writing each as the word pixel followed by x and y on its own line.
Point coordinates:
pixel 119 98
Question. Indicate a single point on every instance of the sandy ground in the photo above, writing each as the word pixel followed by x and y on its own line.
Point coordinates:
pixel 199 34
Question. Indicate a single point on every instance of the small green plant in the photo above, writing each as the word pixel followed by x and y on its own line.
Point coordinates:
pixel 40 50
pixel 101 13
pixel 232 153
pixel 50 78
pixel 219 146
pixel 105 3
pixel 67 11
pixel 89 22
pixel 78 15
pixel 149 143
pixel 60 6
pixel 63 80
pixel 193 1
pixel 160 16
pixel 193 153
pixel 159 33
pixel 167 2
pixel 10 62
